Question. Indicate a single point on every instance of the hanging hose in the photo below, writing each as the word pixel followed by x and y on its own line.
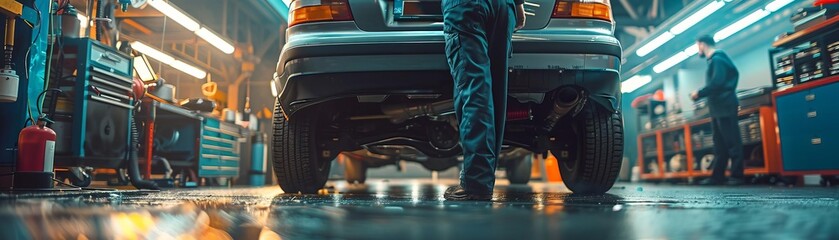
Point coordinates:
pixel 167 173
pixel 133 167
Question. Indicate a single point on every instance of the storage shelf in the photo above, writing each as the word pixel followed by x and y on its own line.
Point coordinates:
pixel 694 154
pixel 804 33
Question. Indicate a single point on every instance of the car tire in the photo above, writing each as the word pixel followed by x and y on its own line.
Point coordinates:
pixel 589 162
pixel 355 171
pixel 518 170
pixel 297 164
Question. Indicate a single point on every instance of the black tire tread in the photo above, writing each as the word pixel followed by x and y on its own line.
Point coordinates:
pixel 602 152
pixel 294 159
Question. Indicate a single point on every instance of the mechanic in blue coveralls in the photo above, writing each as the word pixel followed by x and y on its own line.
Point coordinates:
pixel 478 44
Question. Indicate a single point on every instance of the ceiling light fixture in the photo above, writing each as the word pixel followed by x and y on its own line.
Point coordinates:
pixel 215 40
pixel 670 62
pixel 740 24
pixel 655 43
pixel 681 27
pixel 175 14
pixel 168 60
pixel 697 17
pixel 635 82
pixel 692 50
pixel 192 25
pixel 189 69
pixel 153 53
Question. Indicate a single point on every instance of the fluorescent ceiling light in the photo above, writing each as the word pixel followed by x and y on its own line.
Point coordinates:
pixel 189 69
pixel 655 43
pixel 192 25
pixel 635 82
pixel 670 62
pixel 740 25
pixel 697 17
pixel 153 53
pixel 175 14
pixel 777 4
pixel 215 40
pixel 692 50
pixel 168 60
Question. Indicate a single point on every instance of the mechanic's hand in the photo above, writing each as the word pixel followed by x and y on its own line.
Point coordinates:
pixel 520 17
pixel 694 95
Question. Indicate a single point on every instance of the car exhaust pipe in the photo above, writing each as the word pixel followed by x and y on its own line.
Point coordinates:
pixel 565 100
pixel 400 113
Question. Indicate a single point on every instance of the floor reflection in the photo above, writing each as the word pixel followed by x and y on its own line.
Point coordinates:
pixel 416 210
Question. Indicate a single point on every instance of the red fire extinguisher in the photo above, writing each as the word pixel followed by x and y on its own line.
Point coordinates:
pixel 36 149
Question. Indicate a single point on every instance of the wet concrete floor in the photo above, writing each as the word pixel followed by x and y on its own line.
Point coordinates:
pixel 407 209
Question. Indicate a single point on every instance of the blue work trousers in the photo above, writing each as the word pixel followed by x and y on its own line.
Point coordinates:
pixel 478 45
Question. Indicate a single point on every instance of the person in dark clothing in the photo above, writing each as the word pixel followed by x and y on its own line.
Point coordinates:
pixel 720 90
pixel 478 43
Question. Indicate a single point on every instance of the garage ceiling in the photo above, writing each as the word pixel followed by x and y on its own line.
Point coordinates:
pixel 637 19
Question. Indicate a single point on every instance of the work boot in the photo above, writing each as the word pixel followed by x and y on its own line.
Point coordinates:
pixel 711 182
pixel 457 193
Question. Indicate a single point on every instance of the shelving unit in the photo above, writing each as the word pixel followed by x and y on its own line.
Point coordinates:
pixel 680 150
pixel 806 110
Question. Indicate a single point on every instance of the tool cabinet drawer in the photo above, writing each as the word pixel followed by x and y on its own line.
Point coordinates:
pixel 110 60
pixel 806 125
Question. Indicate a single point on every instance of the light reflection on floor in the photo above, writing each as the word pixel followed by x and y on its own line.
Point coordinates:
pixel 414 209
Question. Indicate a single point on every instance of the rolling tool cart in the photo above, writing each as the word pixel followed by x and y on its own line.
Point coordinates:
pixel 220 150
pixel 93 114
pixel 194 146
pixel 806 108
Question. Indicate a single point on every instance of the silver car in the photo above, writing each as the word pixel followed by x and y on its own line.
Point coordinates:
pixel 372 74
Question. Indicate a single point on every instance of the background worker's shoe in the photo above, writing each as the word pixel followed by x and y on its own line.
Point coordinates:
pixel 711 182
pixel 457 193
pixel 735 182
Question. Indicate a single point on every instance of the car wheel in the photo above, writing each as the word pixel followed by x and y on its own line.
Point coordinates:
pixel 590 159
pixel 518 170
pixel 355 171
pixel 297 164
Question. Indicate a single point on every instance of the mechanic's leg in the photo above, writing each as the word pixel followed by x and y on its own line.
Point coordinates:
pixel 466 50
pixel 720 150
pixel 499 53
pixel 734 145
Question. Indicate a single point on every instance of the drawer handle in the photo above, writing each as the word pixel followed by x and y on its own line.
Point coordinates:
pixel 810 97
pixel 113 57
pixel 816 141
pixel 812 114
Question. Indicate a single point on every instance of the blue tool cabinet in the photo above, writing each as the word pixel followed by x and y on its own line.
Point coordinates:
pixel 219 148
pixel 807 123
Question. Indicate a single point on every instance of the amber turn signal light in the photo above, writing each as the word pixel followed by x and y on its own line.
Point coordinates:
pixel 594 9
pixel 308 11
